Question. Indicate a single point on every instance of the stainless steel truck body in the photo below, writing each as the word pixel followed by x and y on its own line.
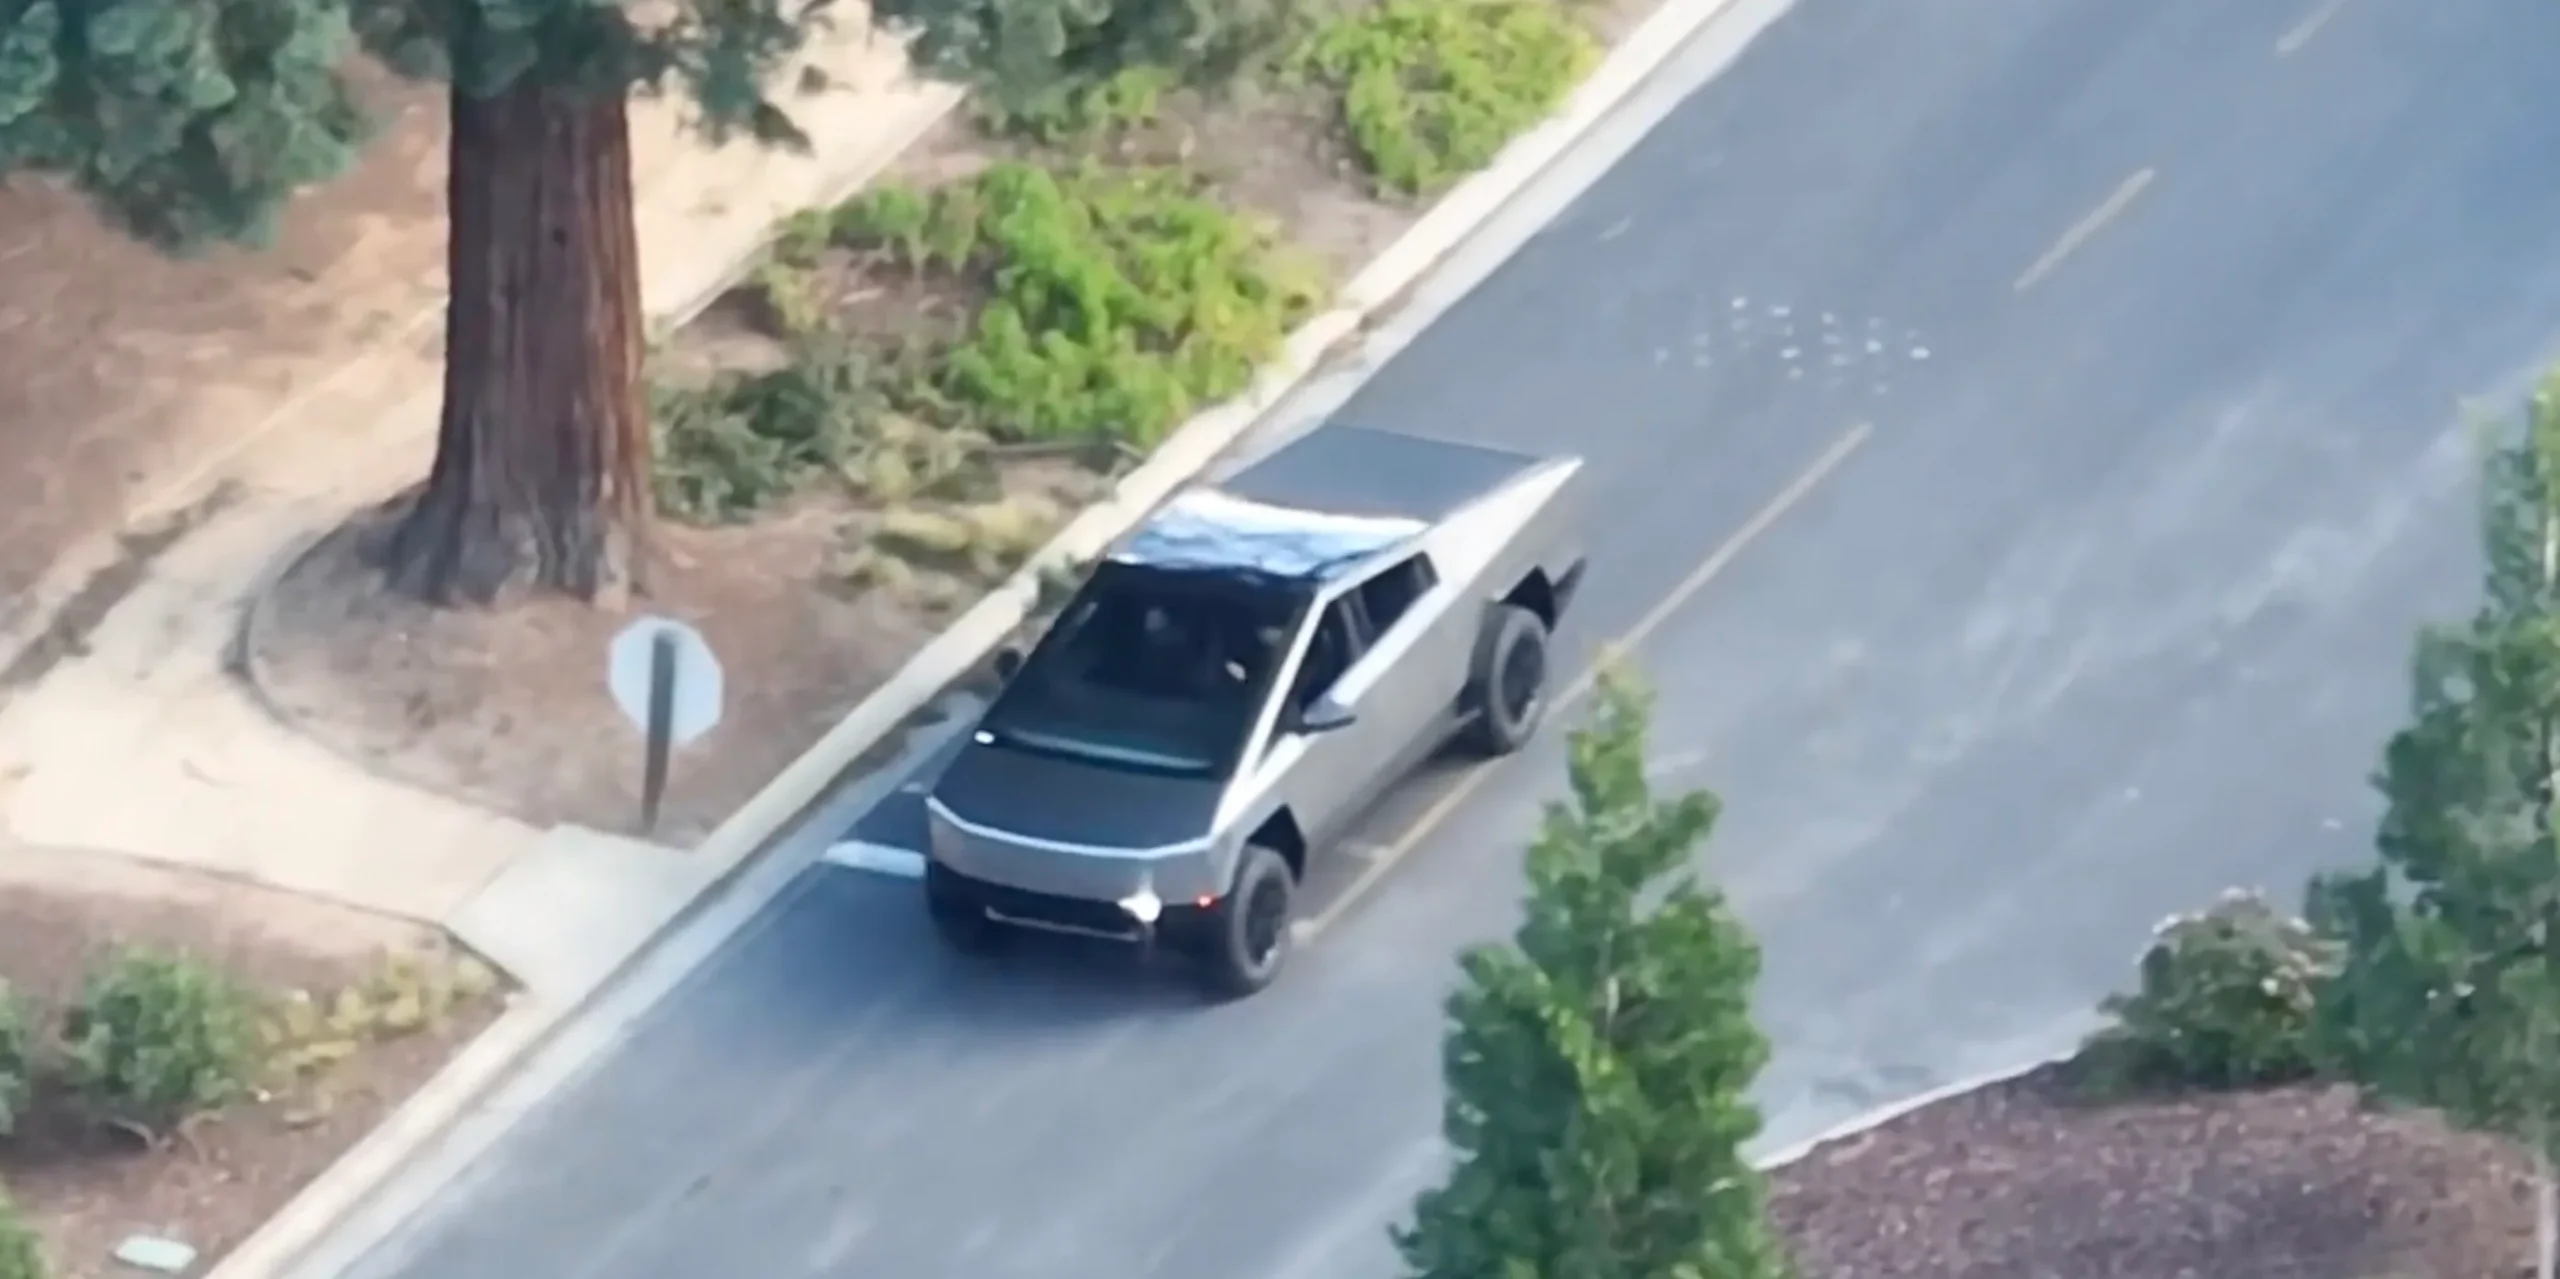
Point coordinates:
pixel 1242 678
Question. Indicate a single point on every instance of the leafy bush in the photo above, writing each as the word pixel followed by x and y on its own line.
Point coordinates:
pixel 1081 113
pixel 156 1038
pixel 1432 89
pixel 1122 301
pixel 17 1061
pixel 21 1252
pixel 1023 53
pixel 2226 999
pixel 735 446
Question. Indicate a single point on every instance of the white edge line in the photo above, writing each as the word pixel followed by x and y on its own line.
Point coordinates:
pixel 878 859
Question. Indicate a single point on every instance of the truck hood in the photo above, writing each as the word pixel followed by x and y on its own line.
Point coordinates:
pixel 1039 796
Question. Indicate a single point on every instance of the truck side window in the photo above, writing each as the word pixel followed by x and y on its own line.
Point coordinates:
pixel 1330 652
pixel 1386 597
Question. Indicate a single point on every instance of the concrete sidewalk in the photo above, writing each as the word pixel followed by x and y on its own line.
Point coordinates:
pixel 149 707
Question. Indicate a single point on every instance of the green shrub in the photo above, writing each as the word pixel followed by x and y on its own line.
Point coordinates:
pixel 17 1060
pixel 1024 52
pixel 1431 90
pixel 21 1252
pixel 157 1038
pixel 1081 113
pixel 1121 301
pixel 2226 999
pixel 745 441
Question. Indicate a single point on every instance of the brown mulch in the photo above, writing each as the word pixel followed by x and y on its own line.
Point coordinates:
pixel 2022 1181
pixel 88 1187
pixel 508 709
pixel 129 372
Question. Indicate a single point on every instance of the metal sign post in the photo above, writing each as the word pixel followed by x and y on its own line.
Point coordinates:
pixel 664 676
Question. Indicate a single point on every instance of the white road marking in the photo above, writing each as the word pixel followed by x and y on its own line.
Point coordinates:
pixel 879 859
pixel 2292 41
pixel 2081 231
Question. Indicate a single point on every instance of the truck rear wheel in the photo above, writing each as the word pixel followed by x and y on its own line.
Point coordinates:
pixel 958 916
pixel 1246 939
pixel 1510 682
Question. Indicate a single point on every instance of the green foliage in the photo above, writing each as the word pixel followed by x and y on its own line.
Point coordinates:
pixel 158 1038
pixel 718 55
pixel 21 1252
pixel 1022 54
pixel 2226 999
pixel 1432 89
pixel 17 1059
pixel 1598 1066
pixel 1081 114
pixel 185 124
pixel 1121 301
pixel 745 441
pixel 2449 997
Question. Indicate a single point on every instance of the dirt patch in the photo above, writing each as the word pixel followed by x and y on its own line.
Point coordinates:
pixel 509 709
pixel 129 372
pixel 2019 1181
pixel 87 1186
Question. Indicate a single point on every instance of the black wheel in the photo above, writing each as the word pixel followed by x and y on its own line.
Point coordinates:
pixel 1246 938
pixel 959 917
pixel 1510 682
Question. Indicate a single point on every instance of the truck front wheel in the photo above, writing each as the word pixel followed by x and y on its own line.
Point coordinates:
pixel 1510 682
pixel 1246 939
pixel 958 916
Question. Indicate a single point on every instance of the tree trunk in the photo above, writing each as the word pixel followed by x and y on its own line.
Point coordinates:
pixel 2546 1217
pixel 541 477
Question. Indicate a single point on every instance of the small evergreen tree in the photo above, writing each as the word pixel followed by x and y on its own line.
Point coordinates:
pixel 2449 996
pixel 1598 1065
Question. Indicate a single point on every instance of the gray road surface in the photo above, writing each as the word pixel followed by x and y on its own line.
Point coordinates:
pixel 2107 616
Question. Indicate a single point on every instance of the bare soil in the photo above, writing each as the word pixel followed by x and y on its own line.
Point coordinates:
pixel 131 373
pixel 2021 1181
pixel 89 1186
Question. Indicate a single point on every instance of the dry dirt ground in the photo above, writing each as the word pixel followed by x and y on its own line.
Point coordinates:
pixel 2019 1181
pixel 129 373
pixel 89 1186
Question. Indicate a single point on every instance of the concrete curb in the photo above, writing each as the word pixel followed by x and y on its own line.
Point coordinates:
pixel 426 1117
pixel 1882 1115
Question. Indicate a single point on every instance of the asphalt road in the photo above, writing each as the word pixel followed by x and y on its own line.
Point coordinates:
pixel 2107 614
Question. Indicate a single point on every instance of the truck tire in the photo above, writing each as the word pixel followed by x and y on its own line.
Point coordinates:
pixel 1510 682
pixel 958 916
pixel 1246 939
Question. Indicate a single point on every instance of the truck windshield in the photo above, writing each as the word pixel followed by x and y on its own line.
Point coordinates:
pixel 1152 669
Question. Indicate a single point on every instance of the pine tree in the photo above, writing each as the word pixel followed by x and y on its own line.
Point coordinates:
pixel 2449 996
pixel 186 123
pixel 1598 1065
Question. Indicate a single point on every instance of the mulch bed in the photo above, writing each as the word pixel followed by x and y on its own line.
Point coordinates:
pixel 87 1186
pixel 2022 1181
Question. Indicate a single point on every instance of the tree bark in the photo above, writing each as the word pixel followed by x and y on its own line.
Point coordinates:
pixel 542 469
pixel 2546 1217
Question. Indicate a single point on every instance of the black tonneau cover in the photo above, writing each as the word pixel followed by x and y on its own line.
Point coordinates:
pixel 1356 470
